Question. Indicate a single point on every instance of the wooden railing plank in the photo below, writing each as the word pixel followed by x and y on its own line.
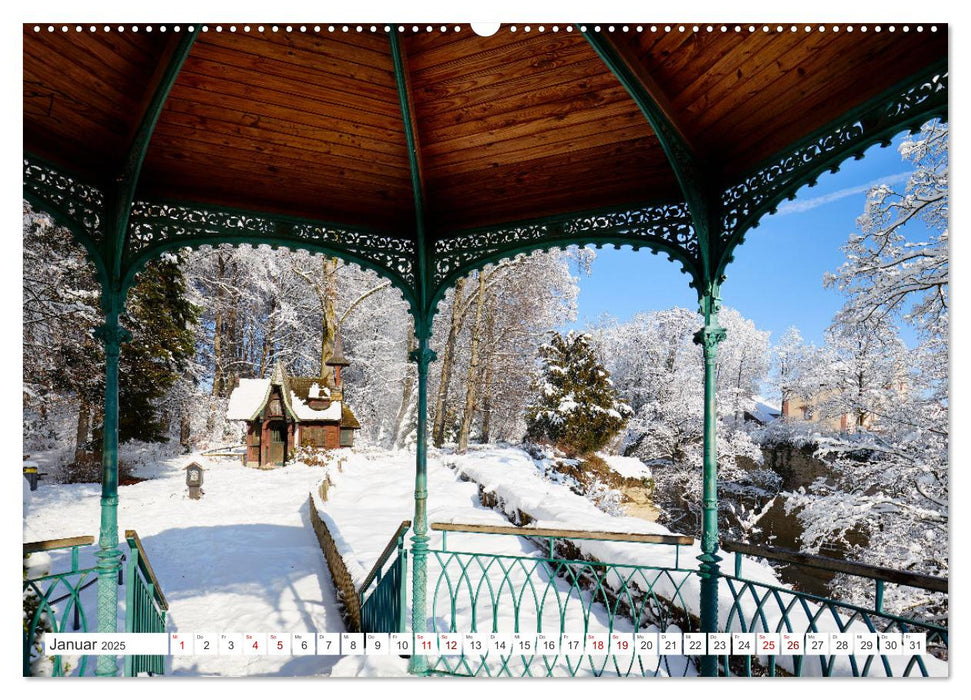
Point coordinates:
pixel 392 544
pixel 146 566
pixel 903 578
pixel 564 534
pixel 61 543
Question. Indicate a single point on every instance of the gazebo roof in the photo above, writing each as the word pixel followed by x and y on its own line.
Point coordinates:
pixel 385 145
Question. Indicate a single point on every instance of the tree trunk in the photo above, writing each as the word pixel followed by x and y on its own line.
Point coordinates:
pixel 185 433
pixel 232 343
pixel 81 437
pixel 398 432
pixel 448 355
pixel 738 394
pixel 470 394
pixel 487 375
pixel 487 404
pixel 217 352
pixel 268 337
pixel 327 294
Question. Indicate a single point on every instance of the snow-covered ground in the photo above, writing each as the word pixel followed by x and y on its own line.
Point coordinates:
pixel 241 559
pixel 372 496
pixel 627 467
pixel 244 558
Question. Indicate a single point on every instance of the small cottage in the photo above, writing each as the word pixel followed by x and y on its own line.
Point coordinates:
pixel 283 412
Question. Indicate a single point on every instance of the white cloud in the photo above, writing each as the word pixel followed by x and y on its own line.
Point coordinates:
pixel 799 206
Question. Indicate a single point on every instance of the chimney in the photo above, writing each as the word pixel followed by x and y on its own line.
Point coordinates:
pixel 338 362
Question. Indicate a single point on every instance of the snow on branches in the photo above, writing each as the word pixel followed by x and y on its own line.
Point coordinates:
pixel 886 498
pixel 576 406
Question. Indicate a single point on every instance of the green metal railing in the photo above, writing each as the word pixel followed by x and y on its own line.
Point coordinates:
pixel 145 606
pixel 383 594
pixel 509 593
pixel 760 607
pixel 552 589
pixel 55 602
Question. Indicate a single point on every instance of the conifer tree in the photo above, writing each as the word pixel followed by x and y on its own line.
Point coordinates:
pixel 576 406
pixel 161 320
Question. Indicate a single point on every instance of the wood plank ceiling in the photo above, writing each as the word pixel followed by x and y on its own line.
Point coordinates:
pixel 509 127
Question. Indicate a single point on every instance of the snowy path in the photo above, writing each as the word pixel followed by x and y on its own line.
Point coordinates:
pixel 373 494
pixel 241 559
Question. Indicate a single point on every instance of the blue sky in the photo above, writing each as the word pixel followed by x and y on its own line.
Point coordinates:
pixel 777 276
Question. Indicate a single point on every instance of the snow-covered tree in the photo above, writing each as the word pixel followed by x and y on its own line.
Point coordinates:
pixel 889 481
pixel 62 375
pixel 865 372
pixel 576 407
pixel 487 332
pixel 743 363
pixel 659 371
pixel 897 264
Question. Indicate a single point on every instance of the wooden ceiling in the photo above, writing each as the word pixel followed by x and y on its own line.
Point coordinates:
pixel 510 127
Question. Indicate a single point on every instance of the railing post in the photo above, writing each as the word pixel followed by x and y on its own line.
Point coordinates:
pixel 403 591
pixel 130 604
pixel 422 357
pixel 112 335
pixel 708 338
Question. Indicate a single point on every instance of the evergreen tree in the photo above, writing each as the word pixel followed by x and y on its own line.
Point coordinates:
pixel 161 320
pixel 576 406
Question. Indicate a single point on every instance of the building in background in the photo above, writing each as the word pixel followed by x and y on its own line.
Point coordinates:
pixel 283 412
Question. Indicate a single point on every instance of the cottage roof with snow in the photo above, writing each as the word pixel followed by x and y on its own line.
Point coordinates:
pixel 305 399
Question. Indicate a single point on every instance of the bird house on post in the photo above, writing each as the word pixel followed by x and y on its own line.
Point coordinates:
pixel 193 479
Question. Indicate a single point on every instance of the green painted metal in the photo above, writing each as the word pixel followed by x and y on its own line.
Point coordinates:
pixel 688 169
pixel 760 607
pixel 485 593
pixel 112 335
pixel 904 107
pixel 661 227
pixel 422 356
pixel 540 593
pixel 59 608
pixel 215 235
pixel 76 206
pixel 123 195
pixel 422 281
pixel 708 338
pixel 383 598
pixel 145 611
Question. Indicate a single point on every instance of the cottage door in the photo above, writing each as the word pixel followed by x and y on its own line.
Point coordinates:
pixel 278 438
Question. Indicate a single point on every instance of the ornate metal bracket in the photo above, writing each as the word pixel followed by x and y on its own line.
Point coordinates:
pixel 156 227
pixel 75 204
pixel 663 228
pixel 422 357
pixel 112 335
pixel 906 106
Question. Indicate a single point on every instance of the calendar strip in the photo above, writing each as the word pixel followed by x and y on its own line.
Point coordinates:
pixel 307 643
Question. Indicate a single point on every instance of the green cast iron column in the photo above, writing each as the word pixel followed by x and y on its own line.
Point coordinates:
pixel 708 338
pixel 112 335
pixel 422 356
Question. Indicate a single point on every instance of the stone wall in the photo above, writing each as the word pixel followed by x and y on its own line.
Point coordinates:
pixel 796 465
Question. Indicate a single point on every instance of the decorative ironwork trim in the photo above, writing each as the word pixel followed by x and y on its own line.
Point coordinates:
pixel 684 162
pixel 908 105
pixel 159 226
pixel 73 204
pixel 661 227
